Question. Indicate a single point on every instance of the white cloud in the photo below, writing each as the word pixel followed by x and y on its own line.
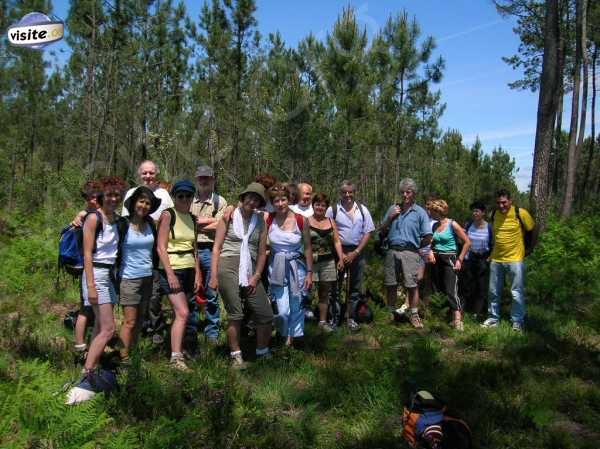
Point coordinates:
pixel 469 31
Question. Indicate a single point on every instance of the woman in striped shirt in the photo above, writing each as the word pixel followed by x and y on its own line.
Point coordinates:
pixel 476 269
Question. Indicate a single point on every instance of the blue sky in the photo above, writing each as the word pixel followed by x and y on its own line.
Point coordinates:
pixel 472 38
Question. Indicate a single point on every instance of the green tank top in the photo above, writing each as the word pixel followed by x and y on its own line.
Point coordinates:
pixel 322 241
pixel 445 241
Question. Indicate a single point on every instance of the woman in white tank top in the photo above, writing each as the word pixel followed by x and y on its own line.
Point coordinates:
pixel 290 268
pixel 99 257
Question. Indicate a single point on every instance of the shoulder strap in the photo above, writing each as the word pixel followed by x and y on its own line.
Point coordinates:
pixel 468 224
pixel 215 198
pixel 518 215
pixel 195 227
pixel 269 220
pixel 122 228
pixel 435 226
pixel 362 214
pixel 334 210
pixel 299 221
pixel 171 212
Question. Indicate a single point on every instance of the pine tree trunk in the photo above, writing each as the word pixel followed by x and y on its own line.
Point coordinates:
pixel 573 155
pixel 547 109
pixel 588 166
pixel 90 92
pixel 584 94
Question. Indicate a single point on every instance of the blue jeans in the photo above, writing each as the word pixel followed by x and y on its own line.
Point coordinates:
pixel 516 274
pixel 212 310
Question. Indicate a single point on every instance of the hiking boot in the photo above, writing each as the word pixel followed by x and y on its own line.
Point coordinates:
pixel 458 325
pixel 178 362
pixel 353 326
pixel 325 327
pixel 415 320
pixel 517 327
pixel 489 323
pixel 237 362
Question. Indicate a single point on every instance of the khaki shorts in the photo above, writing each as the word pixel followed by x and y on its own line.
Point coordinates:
pixel 234 296
pixel 402 267
pixel 325 271
pixel 135 291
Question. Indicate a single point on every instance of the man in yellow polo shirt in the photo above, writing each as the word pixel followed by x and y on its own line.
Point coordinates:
pixel 508 256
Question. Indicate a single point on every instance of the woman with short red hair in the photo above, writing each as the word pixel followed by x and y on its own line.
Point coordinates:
pixel 100 246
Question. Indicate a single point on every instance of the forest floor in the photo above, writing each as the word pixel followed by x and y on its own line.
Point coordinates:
pixel 516 390
pixel 537 389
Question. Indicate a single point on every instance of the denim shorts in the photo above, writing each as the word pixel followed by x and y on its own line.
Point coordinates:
pixel 104 286
pixel 186 278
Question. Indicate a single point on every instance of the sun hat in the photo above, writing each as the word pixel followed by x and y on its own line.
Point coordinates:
pixel 142 190
pixel 205 171
pixel 183 186
pixel 258 189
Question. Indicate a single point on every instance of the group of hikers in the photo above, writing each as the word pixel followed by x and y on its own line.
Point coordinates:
pixel 261 254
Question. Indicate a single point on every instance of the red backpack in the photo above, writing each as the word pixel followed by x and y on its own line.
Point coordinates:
pixel 299 221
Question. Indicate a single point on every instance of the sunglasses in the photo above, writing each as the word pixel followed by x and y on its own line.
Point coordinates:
pixel 181 196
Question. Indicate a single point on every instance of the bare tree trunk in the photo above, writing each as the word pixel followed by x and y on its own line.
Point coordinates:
pixel 588 166
pixel 13 176
pixel 584 95
pixel 573 156
pixel 547 109
pixel 90 92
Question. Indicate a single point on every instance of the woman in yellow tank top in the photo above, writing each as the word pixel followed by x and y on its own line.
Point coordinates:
pixel 179 270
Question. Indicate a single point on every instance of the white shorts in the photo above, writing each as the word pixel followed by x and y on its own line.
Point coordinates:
pixel 104 286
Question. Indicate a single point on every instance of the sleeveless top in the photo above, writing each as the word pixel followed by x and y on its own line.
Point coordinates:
pixel 137 253
pixel 232 244
pixel 107 244
pixel 181 248
pixel 445 241
pixel 285 241
pixel 322 242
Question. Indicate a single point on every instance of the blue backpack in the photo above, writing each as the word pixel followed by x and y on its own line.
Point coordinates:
pixel 70 246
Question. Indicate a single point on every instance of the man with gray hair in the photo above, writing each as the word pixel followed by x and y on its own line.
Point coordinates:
pixel 408 230
pixel 148 174
pixel 304 205
pixel 355 225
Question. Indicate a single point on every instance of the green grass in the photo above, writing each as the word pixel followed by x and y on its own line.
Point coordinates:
pixel 534 390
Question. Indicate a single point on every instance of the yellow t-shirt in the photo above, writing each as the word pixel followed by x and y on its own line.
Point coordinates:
pixel 181 248
pixel 508 235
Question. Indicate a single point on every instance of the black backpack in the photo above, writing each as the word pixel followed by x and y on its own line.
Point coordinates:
pixel 527 235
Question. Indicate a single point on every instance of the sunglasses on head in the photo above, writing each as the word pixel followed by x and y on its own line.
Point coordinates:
pixel 186 195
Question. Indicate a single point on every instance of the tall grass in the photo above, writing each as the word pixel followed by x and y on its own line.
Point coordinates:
pixel 532 390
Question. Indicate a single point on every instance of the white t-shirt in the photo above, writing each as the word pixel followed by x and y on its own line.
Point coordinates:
pixel 305 211
pixel 161 193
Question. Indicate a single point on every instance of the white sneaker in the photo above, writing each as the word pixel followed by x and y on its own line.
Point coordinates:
pixel 489 323
pixel 308 314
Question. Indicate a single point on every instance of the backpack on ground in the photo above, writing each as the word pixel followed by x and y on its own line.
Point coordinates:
pixel 70 246
pixel 363 313
pixel 427 423
pixel 527 235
